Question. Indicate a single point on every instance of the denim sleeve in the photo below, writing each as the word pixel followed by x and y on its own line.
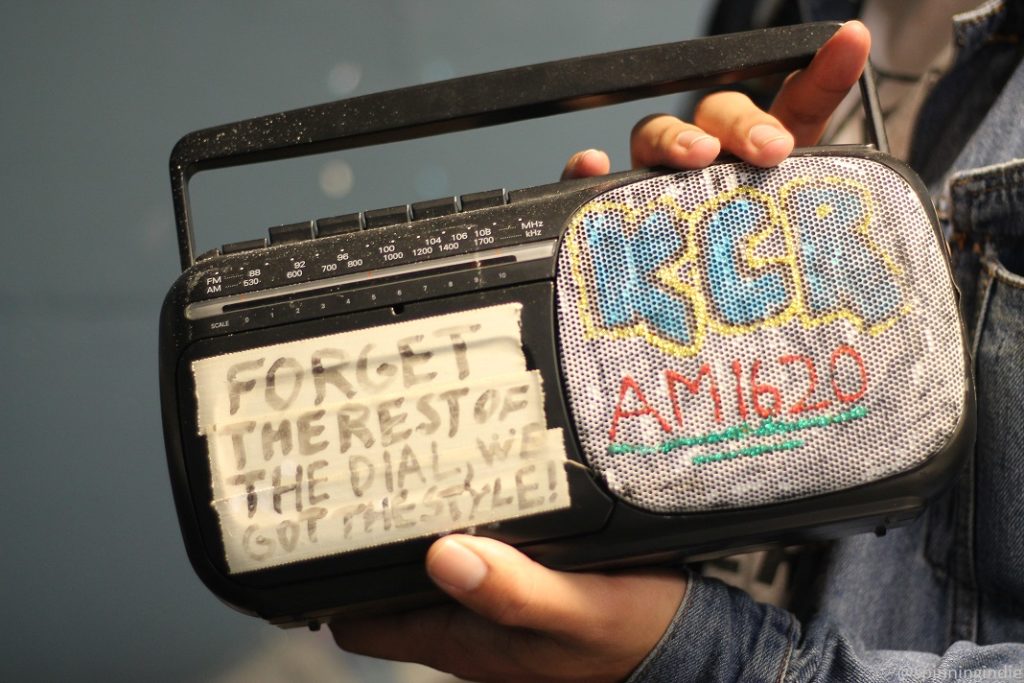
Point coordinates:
pixel 721 634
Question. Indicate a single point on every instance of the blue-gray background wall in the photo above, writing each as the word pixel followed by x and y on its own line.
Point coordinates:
pixel 94 582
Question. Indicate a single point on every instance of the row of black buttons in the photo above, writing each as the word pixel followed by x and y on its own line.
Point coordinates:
pixel 364 220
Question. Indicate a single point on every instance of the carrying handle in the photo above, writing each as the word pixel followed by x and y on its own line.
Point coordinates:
pixel 499 97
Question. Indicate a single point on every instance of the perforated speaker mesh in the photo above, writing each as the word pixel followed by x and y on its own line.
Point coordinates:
pixel 737 336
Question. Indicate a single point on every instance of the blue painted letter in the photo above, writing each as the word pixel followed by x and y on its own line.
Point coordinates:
pixel 625 268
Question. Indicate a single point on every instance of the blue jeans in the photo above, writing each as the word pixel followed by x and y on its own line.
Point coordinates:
pixel 943 598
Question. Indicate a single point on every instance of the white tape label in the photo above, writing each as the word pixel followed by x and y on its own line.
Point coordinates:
pixel 357 439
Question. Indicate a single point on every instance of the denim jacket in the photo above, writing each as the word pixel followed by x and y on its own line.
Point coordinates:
pixel 943 598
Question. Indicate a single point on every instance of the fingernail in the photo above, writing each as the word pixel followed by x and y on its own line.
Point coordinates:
pixel 764 133
pixel 456 565
pixel 581 157
pixel 691 138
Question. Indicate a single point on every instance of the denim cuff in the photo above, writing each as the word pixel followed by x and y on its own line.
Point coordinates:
pixel 721 634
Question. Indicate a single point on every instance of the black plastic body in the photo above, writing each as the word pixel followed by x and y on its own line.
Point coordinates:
pixel 596 532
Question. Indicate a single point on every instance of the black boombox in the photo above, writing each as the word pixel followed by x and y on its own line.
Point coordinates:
pixel 637 368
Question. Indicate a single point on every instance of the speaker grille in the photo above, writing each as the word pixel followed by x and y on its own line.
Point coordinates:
pixel 736 336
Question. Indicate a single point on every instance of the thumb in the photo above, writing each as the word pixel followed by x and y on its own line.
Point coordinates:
pixel 503 585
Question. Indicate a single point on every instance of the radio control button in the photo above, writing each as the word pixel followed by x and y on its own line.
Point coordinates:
pixel 483 200
pixel 209 253
pixel 434 207
pixel 389 216
pixel 247 245
pixel 293 232
pixel 339 225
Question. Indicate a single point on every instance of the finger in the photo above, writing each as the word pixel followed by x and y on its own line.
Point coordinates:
pixel 586 164
pixel 460 642
pixel 745 130
pixel 524 622
pixel 501 584
pixel 663 140
pixel 399 637
pixel 808 97
pixel 504 586
pixel 449 638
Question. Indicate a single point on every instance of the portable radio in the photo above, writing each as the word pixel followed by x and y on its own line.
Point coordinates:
pixel 647 366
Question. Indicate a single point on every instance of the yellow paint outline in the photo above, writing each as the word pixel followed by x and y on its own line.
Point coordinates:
pixel 632 217
pixel 748 249
pixel 691 287
pixel 863 228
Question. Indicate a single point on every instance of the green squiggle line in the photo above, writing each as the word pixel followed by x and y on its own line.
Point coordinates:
pixel 731 434
pixel 749 452
pixel 768 427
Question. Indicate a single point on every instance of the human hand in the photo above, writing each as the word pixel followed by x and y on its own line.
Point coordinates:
pixel 731 122
pixel 520 621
